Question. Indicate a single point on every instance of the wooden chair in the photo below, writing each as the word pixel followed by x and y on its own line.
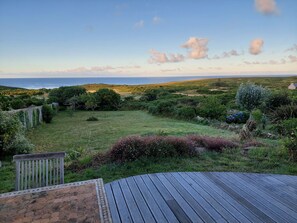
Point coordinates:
pixel 39 170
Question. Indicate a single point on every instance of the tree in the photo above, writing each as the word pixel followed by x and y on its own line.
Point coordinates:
pixel 107 99
pixel 12 135
pixel 63 94
pixel 250 96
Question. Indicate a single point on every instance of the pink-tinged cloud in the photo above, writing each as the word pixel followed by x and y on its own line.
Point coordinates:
pixel 266 7
pixel 227 54
pixel 197 47
pixel 293 59
pixel 256 46
pixel 139 24
pixel 292 48
pixel 160 57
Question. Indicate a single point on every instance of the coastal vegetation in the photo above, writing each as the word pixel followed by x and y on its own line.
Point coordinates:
pixel 114 131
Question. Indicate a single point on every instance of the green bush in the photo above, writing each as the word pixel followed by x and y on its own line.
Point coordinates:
pixel 186 113
pixel 92 118
pixel 212 108
pixel 12 136
pixel 278 99
pixel 250 96
pixel 47 113
pixel 63 94
pixel 107 99
pixel 283 112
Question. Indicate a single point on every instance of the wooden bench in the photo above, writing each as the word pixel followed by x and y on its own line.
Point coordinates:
pixel 39 170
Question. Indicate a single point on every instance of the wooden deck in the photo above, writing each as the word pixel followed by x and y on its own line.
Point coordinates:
pixel 203 197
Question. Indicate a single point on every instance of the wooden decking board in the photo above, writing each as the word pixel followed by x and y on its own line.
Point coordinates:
pixel 120 202
pixel 112 205
pixel 277 207
pixel 203 197
pixel 181 201
pixel 194 199
pixel 218 203
pixel 159 199
pixel 238 196
pixel 272 190
pixel 265 207
pixel 141 203
pixel 151 201
pixel 213 207
pixel 131 204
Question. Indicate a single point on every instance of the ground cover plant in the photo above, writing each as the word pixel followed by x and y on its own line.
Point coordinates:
pixel 170 113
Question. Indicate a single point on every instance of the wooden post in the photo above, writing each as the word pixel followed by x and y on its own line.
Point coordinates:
pixel 39 170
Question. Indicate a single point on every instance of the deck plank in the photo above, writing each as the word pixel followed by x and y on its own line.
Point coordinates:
pixel 258 203
pixel 274 205
pixel 203 197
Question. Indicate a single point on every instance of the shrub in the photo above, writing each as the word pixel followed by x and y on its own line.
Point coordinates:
pixel 250 96
pixel 212 143
pixel 291 144
pixel 257 115
pixel 12 136
pixel 238 118
pixel 278 99
pixel 211 108
pixel 92 118
pixel 134 147
pixel 63 94
pixel 47 113
pixel 283 112
pixel 187 113
pixel 107 99
pixel 286 127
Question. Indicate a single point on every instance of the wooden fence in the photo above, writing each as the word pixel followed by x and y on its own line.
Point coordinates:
pixel 39 170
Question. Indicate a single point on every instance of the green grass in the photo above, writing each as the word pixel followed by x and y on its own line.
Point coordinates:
pixel 74 132
pixel 71 132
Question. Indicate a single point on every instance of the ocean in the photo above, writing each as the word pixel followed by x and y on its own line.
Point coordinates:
pixel 49 83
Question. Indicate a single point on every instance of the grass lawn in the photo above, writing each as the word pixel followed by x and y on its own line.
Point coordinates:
pixel 71 132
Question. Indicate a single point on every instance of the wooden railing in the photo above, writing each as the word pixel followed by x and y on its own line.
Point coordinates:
pixel 39 170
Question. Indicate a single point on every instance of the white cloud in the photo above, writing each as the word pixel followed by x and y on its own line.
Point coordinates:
pixel 97 69
pixel 139 24
pixel 256 46
pixel 197 47
pixel 157 20
pixel 266 7
pixel 159 57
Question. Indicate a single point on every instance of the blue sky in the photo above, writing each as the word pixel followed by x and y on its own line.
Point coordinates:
pixel 147 38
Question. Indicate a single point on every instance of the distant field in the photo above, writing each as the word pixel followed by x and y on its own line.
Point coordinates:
pixel 72 132
pixel 228 83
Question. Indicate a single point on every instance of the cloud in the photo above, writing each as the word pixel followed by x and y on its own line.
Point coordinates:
pixel 231 53
pixel 159 57
pixel 139 24
pixel 269 62
pixel 292 48
pixel 266 7
pixel 197 47
pixel 156 20
pixel 256 46
pixel 293 59
pixel 97 69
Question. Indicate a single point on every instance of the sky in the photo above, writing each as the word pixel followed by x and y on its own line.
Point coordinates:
pixel 101 38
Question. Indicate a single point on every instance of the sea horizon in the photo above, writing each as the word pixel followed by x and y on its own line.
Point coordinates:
pixel 55 82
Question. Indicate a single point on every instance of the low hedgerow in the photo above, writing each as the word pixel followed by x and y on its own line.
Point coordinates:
pixel 134 147
pixel 212 143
